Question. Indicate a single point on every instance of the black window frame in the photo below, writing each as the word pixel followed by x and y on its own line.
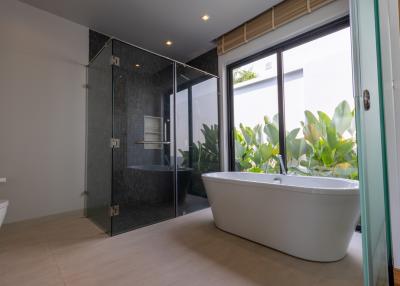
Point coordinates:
pixel 278 49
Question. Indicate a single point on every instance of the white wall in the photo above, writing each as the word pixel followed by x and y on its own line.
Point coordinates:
pixel 42 111
pixel 312 87
pixel 306 23
pixel 390 42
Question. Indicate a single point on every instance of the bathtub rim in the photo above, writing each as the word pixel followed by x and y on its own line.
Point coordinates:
pixel 339 191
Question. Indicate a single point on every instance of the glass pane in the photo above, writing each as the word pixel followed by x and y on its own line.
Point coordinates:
pixel 319 107
pixel 255 109
pixel 99 133
pixel 143 165
pixel 370 126
pixel 197 136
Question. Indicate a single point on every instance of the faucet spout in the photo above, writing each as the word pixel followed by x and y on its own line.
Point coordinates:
pixel 283 169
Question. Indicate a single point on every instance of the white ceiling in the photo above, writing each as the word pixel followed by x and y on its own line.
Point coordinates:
pixel 149 23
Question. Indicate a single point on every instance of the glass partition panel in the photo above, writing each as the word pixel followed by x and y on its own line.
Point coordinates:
pixel 143 165
pixel 197 135
pixel 99 133
pixel 375 216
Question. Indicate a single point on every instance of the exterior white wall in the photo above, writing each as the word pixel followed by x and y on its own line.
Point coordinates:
pixel 309 84
pixel 324 15
pixel 390 44
pixel 42 111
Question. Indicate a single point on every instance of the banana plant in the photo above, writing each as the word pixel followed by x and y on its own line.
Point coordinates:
pixel 205 156
pixel 323 146
pixel 256 148
pixel 332 145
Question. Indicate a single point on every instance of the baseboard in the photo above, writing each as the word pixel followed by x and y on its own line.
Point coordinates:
pixel 396 274
pixel 78 212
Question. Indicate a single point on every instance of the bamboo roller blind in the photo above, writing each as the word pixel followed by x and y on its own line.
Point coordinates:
pixel 267 21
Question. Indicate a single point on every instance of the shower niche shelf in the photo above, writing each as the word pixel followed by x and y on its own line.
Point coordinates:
pixel 152 132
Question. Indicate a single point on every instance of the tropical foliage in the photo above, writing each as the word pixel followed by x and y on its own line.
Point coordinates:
pixel 243 75
pixel 323 146
pixel 204 156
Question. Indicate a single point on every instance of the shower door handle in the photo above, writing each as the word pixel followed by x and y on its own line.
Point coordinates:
pixel 165 131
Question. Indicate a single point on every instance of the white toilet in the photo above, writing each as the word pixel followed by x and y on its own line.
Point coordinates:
pixel 3 210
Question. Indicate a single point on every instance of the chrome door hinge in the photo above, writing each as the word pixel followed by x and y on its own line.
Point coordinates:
pixel 115 61
pixel 114 210
pixel 114 143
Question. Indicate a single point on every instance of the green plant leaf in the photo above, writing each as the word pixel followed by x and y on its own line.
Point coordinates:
pixel 266 151
pixel 247 133
pixel 342 117
pixel 275 120
pixel 322 151
pixel 243 75
pixel 311 133
pixel 327 156
pixel 332 136
pixel 310 118
pixel 272 133
pixel 324 118
pixel 292 134
pixel 255 169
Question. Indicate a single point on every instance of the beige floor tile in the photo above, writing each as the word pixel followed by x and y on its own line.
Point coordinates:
pixel 190 250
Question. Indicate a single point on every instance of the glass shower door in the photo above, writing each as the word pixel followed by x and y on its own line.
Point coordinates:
pixel 143 163
pixel 197 136
pixel 99 133
pixel 371 142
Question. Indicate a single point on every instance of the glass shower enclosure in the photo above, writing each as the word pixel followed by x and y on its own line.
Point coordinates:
pixel 152 130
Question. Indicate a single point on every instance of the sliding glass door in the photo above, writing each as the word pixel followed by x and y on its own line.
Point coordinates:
pixel 371 138
pixel 295 100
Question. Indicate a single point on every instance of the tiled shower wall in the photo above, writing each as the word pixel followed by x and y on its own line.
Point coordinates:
pixel 207 61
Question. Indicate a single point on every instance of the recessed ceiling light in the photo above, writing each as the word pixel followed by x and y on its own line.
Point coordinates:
pixel 168 43
pixel 137 65
pixel 205 17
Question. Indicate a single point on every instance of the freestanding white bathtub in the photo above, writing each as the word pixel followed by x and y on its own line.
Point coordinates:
pixel 311 218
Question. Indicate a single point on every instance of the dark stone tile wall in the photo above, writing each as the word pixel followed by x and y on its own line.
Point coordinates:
pixel 138 92
pixel 207 62
pixel 96 43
